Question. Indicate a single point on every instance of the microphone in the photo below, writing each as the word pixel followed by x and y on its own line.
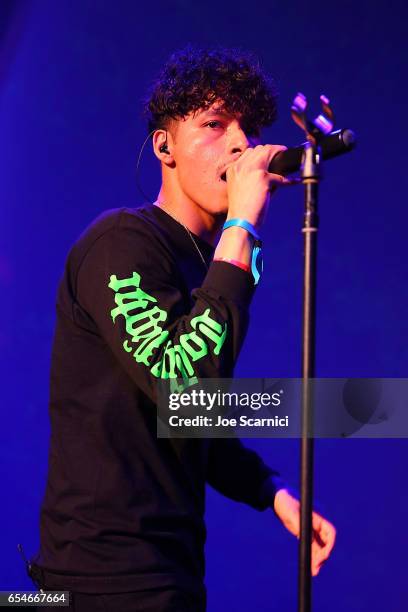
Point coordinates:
pixel 334 144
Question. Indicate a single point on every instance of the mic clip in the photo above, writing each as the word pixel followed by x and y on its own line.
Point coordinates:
pixel 321 126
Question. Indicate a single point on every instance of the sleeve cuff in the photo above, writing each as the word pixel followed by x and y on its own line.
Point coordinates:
pixel 229 282
pixel 269 488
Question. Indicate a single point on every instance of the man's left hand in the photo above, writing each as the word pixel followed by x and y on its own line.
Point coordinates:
pixel 287 509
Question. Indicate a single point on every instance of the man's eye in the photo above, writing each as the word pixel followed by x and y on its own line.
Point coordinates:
pixel 213 124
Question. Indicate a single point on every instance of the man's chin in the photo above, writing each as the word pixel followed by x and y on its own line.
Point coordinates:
pixel 221 210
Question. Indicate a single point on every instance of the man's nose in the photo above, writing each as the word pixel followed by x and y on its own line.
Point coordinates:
pixel 238 140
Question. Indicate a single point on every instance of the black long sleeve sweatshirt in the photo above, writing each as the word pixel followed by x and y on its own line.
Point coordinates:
pixel 124 510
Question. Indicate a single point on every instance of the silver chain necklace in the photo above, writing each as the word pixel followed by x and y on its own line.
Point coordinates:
pixel 164 207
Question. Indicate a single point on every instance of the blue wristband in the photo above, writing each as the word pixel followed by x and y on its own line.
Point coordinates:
pixel 256 261
pixel 244 224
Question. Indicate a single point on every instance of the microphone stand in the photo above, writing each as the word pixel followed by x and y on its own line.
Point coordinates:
pixel 310 178
pixel 310 175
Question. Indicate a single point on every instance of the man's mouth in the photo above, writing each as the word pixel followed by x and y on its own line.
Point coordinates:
pixel 223 172
pixel 223 175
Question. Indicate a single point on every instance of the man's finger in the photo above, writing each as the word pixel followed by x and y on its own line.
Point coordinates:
pixel 323 542
pixel 319 555
pixel 328 533
pixel 324 528
pixel 277 180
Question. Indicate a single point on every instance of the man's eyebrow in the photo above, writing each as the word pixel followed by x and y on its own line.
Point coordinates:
pixel 212 112
pixel 222 112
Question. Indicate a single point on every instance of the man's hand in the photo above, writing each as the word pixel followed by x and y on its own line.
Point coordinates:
pixel 287 509
pixel 250 184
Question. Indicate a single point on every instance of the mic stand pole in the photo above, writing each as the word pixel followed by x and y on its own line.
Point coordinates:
pixel 315 131
pixel 310 174
pixel 310 178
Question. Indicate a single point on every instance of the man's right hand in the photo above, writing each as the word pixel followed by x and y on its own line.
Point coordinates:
pixel 250 184
pixel 249 191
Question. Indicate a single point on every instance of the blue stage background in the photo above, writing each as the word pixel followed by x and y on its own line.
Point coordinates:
pixel 72 75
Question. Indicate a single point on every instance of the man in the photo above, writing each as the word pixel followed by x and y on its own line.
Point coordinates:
pixel 152 293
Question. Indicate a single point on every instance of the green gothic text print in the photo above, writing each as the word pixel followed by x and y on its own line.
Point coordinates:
pixel 143 323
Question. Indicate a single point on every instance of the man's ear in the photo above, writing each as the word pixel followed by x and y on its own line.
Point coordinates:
pixel 162 146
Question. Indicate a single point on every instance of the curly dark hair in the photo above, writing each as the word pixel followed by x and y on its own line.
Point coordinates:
pixel 192 79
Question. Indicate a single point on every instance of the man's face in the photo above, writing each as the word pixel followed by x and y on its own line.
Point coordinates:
pixel 204 144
